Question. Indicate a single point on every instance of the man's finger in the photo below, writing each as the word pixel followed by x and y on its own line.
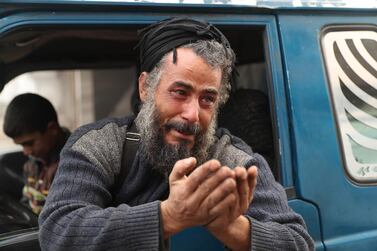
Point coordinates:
pixel 242 188
pixel 224 208
pixel 217 195
pixel 252 174
pixel 201 173
pixel 182 168
pixel 215 189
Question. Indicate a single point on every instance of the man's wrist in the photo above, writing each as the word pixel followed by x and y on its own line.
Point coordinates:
pixel 236 235
pixel 168 225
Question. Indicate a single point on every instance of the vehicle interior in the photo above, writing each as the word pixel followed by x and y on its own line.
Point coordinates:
pixel 248 113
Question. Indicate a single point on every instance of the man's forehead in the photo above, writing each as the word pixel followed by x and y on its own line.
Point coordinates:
pixel 186 56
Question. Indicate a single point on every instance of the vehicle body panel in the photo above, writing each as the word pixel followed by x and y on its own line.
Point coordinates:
pixel 346 209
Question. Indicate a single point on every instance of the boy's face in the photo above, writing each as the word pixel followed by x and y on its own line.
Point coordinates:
pixel 38 144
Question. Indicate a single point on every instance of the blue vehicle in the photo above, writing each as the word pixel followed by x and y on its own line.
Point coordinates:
pixel 305 97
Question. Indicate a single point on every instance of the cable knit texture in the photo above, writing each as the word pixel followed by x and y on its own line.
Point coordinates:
pixel 80 213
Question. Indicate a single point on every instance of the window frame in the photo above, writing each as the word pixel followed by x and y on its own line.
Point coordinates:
pixel 274 69
pixel 338 115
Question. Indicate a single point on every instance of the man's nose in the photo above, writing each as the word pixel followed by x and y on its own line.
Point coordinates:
pixel 191 111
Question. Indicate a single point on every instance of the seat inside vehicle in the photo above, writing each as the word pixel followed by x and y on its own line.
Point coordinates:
pixel 11 178
pixel 247 116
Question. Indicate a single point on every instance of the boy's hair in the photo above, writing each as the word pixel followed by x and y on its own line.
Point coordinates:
pixel 28 113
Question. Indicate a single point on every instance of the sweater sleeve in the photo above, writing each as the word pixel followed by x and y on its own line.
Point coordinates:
pixel 77 213
pixel 274 225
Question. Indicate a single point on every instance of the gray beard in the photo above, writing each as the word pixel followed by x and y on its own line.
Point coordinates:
pixel 163 156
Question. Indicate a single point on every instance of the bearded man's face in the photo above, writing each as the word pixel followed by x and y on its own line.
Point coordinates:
pixel 178 120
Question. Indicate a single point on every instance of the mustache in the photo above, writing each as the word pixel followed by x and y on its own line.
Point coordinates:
pixel 183 127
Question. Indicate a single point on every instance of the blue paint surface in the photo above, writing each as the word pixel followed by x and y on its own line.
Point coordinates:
pixel 196 238
pixel 346 210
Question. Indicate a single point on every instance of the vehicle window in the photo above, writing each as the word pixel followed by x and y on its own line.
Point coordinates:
pixel 351 64
pixel 100 83
pixel 79 96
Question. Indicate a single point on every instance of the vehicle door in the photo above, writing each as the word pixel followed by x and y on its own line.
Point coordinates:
pixel 331 82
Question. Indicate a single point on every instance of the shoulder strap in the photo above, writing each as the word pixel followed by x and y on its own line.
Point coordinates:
pixel 130 146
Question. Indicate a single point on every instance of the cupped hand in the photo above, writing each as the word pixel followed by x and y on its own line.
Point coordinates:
pixel 193 198
pixel 236 203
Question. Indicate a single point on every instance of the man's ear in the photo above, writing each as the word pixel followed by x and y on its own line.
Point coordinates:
pixel 143 86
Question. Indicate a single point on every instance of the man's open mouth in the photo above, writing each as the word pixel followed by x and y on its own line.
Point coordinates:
pixel 183 128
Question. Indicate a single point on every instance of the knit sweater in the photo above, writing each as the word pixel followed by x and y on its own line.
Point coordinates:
pixel 80 212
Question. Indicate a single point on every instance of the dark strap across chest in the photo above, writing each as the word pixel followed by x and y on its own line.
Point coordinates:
pixel 137 183
pixel 130 147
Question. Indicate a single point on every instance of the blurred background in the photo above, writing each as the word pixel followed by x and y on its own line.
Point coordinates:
pixel 79 96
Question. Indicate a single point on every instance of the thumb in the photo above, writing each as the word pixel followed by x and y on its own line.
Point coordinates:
pixel 181 168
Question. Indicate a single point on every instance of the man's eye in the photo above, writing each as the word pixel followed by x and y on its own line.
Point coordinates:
pixel 208 100
pixel 179 92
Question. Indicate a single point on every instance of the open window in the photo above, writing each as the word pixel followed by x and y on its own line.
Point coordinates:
pixel 89 72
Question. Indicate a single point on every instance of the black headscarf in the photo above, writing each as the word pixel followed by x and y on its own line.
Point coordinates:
pixel 164 36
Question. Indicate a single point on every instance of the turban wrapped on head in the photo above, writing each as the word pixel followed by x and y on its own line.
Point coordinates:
pixel 164 36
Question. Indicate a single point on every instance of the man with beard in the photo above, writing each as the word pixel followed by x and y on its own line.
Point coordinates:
pixel 185 172
pixel 31 121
